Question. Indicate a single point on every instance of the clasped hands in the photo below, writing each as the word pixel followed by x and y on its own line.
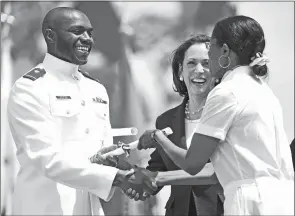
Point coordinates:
pixel 147 140
pixel 139 183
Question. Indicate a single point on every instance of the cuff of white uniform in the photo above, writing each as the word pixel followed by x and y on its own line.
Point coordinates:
pixel 106 190
pixel 110 194
pixel 210 131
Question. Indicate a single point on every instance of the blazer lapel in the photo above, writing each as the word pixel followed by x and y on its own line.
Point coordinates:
pixel 178 125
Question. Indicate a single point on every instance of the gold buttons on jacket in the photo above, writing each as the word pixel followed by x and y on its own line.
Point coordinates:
pixel 83 103
pixel 87 130
pixel 68 112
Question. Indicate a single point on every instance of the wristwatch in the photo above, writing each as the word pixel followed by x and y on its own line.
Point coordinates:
pixel 153 135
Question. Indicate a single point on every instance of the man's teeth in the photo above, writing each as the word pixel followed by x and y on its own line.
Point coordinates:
pixel 82 48
pixel 199 80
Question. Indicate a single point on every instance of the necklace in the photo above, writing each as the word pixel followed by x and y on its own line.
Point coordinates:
pixel 188 112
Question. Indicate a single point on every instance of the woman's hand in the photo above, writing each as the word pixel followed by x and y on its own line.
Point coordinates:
pixel 147 140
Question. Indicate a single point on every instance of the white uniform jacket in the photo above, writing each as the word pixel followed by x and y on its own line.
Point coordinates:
pixel 253 159
pixel 59 118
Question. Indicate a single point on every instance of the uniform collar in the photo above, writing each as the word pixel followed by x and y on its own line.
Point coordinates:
pixel 59 66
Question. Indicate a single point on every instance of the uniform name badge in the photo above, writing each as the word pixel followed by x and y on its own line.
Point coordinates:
pixel 63 97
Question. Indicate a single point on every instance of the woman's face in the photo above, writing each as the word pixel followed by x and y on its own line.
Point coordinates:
pixel 195 70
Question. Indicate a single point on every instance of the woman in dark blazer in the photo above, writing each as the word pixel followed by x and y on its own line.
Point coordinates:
pixel 193 81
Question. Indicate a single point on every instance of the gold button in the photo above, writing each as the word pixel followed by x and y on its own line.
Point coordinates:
pixel 83 103
pixel 68 112
pixel 87 130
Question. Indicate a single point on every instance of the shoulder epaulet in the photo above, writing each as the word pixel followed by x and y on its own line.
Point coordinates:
pixel 88 76
pixel 35 73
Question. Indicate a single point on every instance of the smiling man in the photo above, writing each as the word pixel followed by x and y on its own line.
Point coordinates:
pixel 59 118
pixel 68 34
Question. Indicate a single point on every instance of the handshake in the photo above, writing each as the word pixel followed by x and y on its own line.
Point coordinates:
pixel 136 182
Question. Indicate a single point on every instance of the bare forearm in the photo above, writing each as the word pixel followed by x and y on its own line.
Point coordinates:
pixel 176 154
pixel 179 177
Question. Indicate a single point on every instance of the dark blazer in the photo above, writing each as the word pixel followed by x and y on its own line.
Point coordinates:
pixel 207 199
pixel 292 146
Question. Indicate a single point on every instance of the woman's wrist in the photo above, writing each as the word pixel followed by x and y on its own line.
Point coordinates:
pixel 158 137
pixel 153 135
pixel 158 181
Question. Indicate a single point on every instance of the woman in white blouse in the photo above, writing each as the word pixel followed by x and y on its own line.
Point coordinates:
pixel 241 127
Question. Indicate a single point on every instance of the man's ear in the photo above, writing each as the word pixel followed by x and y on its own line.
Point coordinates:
pixel 225 50
pixel 50 36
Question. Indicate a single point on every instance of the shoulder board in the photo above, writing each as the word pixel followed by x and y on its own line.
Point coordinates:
pixel 88 76
pixel 35 74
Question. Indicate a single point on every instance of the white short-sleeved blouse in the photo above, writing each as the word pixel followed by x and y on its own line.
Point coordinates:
pixel 247 117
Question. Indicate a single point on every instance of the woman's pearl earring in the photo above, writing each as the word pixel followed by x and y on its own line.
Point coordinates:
pixel 181 78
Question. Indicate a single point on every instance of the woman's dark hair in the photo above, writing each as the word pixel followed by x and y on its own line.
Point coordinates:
pixel 177 61
pixel 244 36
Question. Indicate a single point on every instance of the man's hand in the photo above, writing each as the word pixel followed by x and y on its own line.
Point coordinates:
pixel 136 192
pixel 108 161
pixel 114 161
pixel 137 179
pixel 147 140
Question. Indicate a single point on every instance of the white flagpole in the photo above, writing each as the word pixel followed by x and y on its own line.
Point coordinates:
pixel 8 165
pixel 6 62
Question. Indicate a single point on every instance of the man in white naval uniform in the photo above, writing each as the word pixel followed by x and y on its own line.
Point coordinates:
pixel 59 118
